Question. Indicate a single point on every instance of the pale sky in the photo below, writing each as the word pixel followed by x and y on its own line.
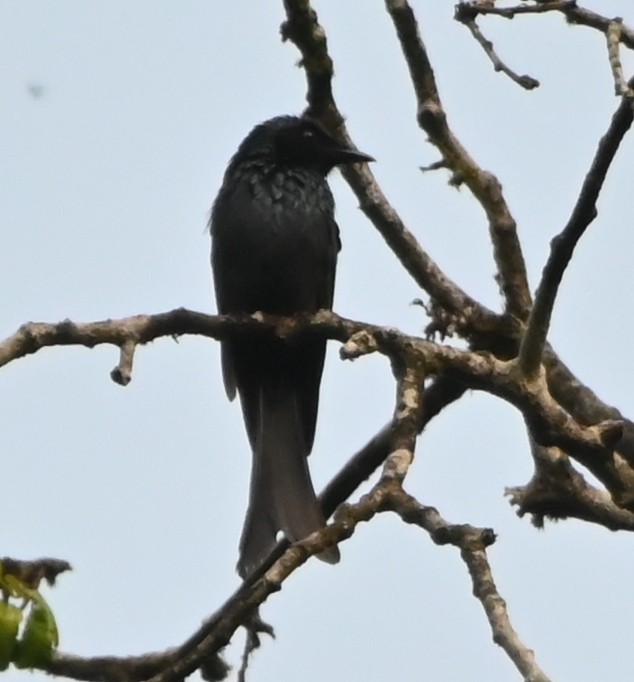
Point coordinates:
pixel 106 182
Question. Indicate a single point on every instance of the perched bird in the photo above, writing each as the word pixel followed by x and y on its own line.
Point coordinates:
pixel 274 249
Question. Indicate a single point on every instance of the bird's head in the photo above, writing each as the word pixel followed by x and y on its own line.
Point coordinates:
pixel 299 142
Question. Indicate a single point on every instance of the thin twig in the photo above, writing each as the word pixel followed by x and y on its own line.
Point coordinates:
pixel 122 373
pixel 563 245
pixel 569 8
pixel 465 16
pixel 475 8
pixel 436 165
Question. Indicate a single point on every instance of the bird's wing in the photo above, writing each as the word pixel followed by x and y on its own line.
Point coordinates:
pixel 281 261
pixel 313 350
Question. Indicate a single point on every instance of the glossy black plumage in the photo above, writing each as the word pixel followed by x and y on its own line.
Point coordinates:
pixel 274 249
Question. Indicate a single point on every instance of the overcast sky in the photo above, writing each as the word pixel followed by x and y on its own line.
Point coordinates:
pixel 117 120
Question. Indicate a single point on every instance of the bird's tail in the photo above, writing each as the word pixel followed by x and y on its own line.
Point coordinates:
pixel 281 495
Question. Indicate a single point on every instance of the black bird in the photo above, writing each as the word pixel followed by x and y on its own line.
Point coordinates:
pixel 274 249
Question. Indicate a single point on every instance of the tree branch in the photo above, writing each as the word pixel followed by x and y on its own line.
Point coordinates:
pixel 583 404
pixel 441 393
pixel 218 630
pixel 592 445
pixel 483 185
pixel 551 411
pixel 303 29
pixel 613 39
pixel 569 8
pixel 473 543
pixel 558 491
pixel 563 245
pixel 465 15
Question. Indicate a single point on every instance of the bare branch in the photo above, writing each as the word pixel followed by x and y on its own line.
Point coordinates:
pixel 254 628
pixel 504 635
pixel 122 373
pixel 465 15
pixel 387 495
pixel 108 668
pixel 591 445
pixel 569 8
pixel 553 418
pixel 409 414
pixel 436 165
pixel 476 7
pixel 563 245
pixel 585 17
pixel 405 427
pixel 583 404
pixel 303 29
pixel 613 38
pixel 484 185
pixel 363 464
pixel 558 491
pixel 473 543
pixel 204 645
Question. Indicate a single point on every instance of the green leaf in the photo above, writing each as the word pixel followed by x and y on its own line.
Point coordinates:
pixel 10 617
pixel 39 638
pixel 13 585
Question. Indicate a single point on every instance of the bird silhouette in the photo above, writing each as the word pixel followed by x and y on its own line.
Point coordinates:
pixel 274 249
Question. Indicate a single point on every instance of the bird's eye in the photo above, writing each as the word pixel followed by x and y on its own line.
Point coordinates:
pixel 308 134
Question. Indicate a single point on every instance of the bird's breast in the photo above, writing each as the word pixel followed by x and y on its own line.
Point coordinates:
pixel 276 242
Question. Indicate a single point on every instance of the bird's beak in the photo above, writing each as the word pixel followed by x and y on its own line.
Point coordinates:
pixel 346 155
